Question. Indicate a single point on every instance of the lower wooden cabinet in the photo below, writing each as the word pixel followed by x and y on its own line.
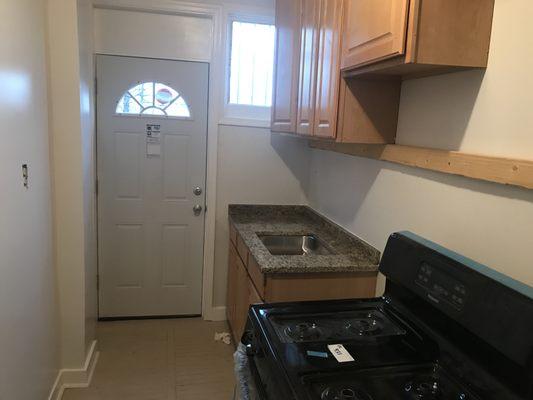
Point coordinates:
pixel 231 299
pixel 247 286
pixel 238 294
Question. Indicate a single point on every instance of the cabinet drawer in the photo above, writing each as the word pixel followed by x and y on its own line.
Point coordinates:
pixel 323 286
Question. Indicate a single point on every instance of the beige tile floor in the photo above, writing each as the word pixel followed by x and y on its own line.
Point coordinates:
pixel 160 360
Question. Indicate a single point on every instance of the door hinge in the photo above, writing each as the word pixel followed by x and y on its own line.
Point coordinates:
pixel 96 187
pixel 97 282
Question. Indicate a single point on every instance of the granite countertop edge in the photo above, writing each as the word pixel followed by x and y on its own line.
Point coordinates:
pixel 351 253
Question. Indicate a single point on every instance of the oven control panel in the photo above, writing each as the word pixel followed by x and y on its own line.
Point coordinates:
pixel 441 287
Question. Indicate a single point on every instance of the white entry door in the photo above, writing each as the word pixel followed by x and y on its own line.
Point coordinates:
pixel 152 137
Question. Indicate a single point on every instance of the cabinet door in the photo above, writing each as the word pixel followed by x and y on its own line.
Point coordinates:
pixel 286 66
pixel 253 295
pixel 232 286
pixel 373 30
pixel 308 66
pixel 328 69
pixel 242 300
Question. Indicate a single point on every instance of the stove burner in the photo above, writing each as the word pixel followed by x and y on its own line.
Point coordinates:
pixel 366 326
pixel 304 331
pixel 345 393
pixel 423 389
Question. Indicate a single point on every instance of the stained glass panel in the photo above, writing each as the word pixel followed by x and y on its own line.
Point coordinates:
pixel 178 107
pixel 154 99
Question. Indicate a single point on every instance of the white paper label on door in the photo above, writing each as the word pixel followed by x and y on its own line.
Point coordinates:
pixel 153 140
pixel 340 353
pixel 153 148
pixel 153 130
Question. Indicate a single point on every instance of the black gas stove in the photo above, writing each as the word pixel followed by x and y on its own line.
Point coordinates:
pixel 446 328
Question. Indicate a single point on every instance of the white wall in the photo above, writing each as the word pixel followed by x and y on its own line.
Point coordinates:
pixel 72 139
pixel 254 167
pixel 488 113
pixel 28 300
pixel 152 35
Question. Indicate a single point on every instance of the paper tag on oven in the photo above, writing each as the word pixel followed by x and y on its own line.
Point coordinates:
pixel 340 353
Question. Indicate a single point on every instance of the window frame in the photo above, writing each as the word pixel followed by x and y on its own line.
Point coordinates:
pixel 240 114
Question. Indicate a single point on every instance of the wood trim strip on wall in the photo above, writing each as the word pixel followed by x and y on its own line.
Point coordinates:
pixel 507 171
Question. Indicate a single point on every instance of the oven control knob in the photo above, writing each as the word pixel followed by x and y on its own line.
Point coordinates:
pixel 250 352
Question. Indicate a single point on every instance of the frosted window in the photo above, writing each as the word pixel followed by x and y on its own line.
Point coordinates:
pixel 251 64
pixel 153 98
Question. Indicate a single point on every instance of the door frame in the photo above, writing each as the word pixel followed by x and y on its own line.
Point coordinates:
pixel 215 91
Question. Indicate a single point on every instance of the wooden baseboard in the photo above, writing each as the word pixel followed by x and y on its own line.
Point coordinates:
pixel 76 378
pixel 502 170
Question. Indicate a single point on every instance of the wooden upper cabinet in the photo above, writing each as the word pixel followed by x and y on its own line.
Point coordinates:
pixel 308 66
pixel 376 44
pixel 414 38
pixel 450 33
pixel 328 69
pixel 287 66
pixel 373 30
pixel 368 111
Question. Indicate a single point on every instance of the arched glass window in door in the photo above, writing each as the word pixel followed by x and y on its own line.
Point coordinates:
pixel 153 99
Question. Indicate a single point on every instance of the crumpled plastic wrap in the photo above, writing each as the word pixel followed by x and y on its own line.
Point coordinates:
pixel 223 337
pixel 245 386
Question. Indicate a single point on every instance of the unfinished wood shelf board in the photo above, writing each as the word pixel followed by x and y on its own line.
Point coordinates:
pixel 493 169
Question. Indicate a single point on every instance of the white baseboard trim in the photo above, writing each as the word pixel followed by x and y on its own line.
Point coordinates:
pixel 216 314
pixel 76 378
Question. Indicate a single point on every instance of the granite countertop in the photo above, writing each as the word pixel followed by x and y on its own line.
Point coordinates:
pixel 350 254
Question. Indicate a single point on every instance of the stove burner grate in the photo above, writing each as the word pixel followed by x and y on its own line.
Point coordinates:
pixel 305 331
pixel 367 326
pixel 345 393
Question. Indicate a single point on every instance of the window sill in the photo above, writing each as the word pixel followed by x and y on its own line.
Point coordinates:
pixel 251 123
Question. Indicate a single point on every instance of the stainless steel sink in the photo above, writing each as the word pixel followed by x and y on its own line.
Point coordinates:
pixel 294 245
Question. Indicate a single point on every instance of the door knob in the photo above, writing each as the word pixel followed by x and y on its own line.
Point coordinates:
pixel 197 191
pixel 197 209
